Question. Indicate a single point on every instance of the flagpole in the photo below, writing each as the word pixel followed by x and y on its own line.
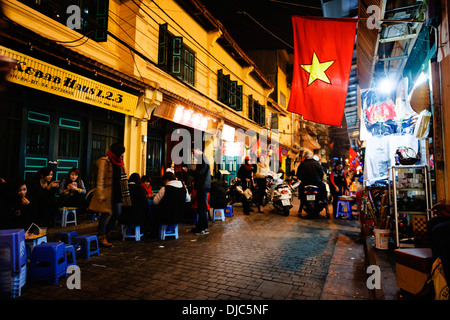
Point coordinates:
pixel 362 19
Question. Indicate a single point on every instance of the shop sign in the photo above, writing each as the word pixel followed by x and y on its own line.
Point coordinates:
pixel 233 149
pixel 228 133
pixel 190 118
pixel 42 76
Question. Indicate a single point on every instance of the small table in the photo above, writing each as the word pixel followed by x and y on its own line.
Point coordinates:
pixel 34 240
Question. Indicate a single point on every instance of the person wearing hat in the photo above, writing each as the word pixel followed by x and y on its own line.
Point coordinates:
pixel 245 176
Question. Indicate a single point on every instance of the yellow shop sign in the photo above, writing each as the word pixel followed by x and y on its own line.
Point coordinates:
pixel 42 76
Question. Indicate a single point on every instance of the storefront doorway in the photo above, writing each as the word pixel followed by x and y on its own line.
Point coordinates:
pixel 51 139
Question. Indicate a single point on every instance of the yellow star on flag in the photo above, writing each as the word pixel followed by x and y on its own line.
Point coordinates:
pixel 317 69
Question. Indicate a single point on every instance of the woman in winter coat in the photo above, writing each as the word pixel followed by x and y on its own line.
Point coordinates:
pixel 111 191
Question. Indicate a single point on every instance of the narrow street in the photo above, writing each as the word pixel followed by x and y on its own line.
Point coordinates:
pixel 258 257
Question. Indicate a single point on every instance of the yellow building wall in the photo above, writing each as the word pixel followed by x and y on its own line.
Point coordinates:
pixel 210 57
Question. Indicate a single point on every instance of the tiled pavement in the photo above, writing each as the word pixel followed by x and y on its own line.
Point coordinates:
pixel 257 257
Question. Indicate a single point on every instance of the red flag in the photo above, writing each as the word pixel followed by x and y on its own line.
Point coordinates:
pixel 323 50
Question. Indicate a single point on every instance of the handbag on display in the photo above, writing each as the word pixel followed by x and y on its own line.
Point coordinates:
pixel 407 156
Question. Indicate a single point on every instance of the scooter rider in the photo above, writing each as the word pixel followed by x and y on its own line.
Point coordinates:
pixel 310 172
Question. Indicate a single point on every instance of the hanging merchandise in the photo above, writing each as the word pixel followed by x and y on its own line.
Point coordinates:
pixel 377 160
pixel 422 127
pixel 420 97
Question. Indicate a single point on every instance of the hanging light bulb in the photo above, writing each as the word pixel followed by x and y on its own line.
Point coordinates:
pixel 386 85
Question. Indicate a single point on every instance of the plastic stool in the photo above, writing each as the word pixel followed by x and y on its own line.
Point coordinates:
pixel 229 211
pixel 95 215
pixel 340 208
pixel 71 250
pixel 65 214
pixel 67 237
pixel 13 251
pixel 218 214
pixel 85 242
pixel 48 262
pixel 127 232
pixel 170 230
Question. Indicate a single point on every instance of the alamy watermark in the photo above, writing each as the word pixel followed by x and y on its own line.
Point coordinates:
pixel 74 277
pixel 189 149
pixel 374 21
pixel 74 20
pixel 374 280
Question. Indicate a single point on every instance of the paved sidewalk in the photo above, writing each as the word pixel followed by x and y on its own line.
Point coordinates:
pixel 256 257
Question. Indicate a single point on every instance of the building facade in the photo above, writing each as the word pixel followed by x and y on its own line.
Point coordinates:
pixel 145 73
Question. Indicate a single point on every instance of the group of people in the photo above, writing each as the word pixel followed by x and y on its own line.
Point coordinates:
pixel 34 201
pixel 117 197
pixel 133 203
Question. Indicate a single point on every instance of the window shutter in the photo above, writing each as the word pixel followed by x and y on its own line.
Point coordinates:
pixel 189 63
pixel 262 115
pixel 239 98
pixel 226 89
pixel 163 46
pixel 250 106
pixel 220 85
pixel 102 20
pixel 176 56
pixel 233 87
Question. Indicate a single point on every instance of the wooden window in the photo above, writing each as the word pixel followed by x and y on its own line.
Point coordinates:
pixel 229 92
pixel 256 111
pixel 175 57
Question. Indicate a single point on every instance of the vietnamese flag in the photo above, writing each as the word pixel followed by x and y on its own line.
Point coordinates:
pixel 323 50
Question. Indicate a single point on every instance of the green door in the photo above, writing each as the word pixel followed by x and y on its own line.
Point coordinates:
pixel 51 139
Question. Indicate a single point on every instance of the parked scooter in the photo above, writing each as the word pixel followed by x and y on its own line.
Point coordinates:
pixel 282 195
pixel 235 193
pixel 312 202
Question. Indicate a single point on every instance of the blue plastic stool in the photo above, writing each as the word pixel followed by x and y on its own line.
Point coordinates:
pixel 131 232
pixel 67 237
pixel 70 252
pixel 86 242
pixel 170 230
pixel 48 262
pixel 95 215
pixel 229 211
pixel 13 250
pixel 66 213
pixel 12 282
pixel 218 214
pixel 340 208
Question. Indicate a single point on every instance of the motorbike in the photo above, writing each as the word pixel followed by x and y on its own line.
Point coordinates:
pixel 282 195
pixel 312 203
pixel 235 193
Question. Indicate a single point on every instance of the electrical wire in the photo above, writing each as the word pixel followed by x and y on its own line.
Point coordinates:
pixel 196 42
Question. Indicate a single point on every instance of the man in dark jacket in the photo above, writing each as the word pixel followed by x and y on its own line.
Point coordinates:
pixel 202 184
pixel 246 179
pixel 310 172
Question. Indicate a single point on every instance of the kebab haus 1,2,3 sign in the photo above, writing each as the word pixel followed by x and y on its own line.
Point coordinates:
pixel 42 76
